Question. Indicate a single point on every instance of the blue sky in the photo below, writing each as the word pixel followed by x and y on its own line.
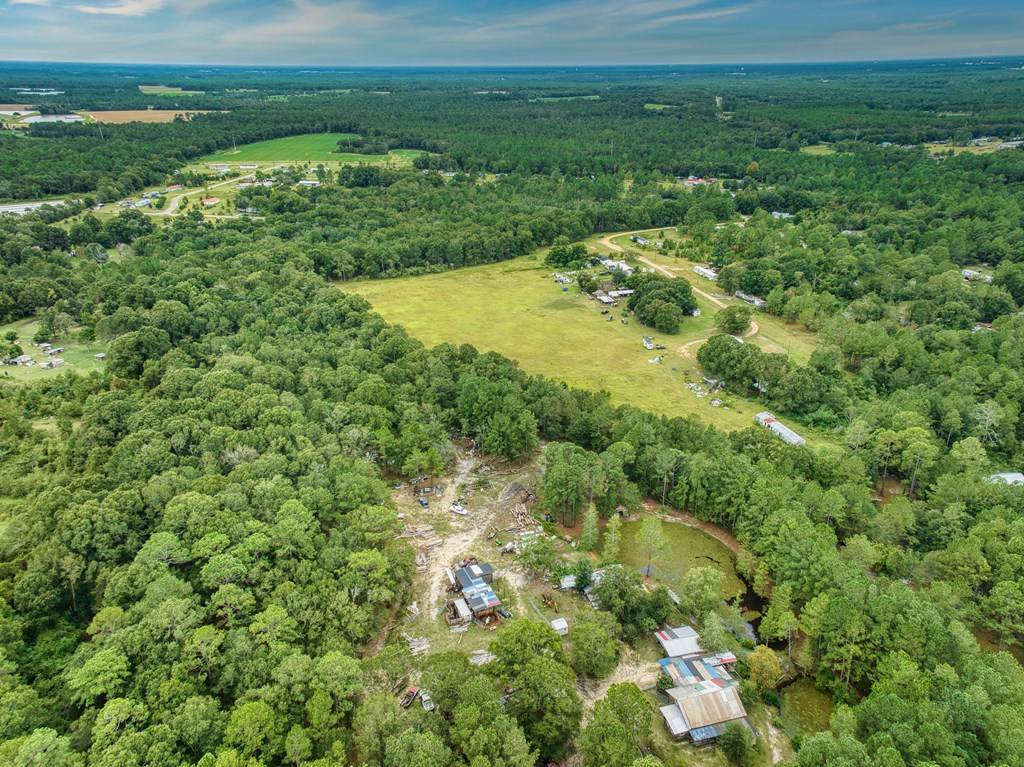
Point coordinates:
pixel 513 32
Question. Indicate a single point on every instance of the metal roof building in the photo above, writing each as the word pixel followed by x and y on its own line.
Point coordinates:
pixel 678 641
pixel 780 429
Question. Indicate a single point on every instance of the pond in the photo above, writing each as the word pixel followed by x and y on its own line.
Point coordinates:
pixel 687 548
pixel 805 708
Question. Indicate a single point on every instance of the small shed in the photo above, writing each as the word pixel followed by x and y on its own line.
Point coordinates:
pixel 567 582
pixel 101 356
pixel 461 611
pixel 560 625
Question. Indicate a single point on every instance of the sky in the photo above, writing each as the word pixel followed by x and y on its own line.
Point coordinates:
pixel 504 32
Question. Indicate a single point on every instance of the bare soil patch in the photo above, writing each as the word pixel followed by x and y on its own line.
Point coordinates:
pixel 143 115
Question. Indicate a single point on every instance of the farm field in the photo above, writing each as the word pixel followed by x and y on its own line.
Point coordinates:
pixel 515 308
pixel 818 149
pixel 141 115
pixel 78 355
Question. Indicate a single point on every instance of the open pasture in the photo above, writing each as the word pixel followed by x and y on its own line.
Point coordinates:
pixel 517 309
pixel 312 148
pixel 78 355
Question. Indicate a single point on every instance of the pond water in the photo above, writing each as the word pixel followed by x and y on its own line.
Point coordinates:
pixel 687 548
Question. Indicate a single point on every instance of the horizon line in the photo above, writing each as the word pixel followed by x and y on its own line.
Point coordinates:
pixel 360 67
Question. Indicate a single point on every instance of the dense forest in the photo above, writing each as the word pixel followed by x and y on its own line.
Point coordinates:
pixel 197 545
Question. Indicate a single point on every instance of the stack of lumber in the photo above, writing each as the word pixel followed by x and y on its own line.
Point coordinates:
pixel 414 531
pixel 522 516
pixel 480 657
pixel 418 645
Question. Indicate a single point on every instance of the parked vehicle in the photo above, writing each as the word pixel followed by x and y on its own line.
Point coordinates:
pixel 504 613
pixel 428 704
pixel 423 502
pixel 410 696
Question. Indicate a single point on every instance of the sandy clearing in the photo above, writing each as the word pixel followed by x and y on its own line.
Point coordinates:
pixel 631 668
pixel 142 115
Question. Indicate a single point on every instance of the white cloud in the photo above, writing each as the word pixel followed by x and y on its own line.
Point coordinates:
pixel 134 7
pixel 309 22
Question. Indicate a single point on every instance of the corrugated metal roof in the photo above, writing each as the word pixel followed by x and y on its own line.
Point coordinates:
pixel 714 707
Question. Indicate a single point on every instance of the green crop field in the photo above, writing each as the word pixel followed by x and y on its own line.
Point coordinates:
pixel 517 309
pixel 313 147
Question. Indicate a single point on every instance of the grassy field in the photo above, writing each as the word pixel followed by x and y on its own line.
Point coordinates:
pixel 165 90
pixel 818 149
pixel 312 148
pixel 659 107
pixel 79 356
pixel 687 548
pixel 140 115
pixel 805 709
pixel 516 308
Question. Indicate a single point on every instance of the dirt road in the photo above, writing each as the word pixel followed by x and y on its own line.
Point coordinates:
pixel 172 206
pixel 465 532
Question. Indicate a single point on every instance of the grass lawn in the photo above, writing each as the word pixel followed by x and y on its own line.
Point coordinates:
pixel 79 356
pixel 687 548
pixel 517 309
pixel 166 90
pixel 805 708
pixel 818 149
pixel 659 107
pixel 312 148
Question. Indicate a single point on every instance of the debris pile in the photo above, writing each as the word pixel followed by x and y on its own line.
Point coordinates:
pixel 417 645
pixel 480 657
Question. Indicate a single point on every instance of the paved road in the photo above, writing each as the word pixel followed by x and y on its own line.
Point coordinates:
pixel 21 208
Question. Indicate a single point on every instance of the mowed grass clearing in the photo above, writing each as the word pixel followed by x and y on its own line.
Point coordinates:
pixel 168 90
pixel 515 308
pixel 311 148
pixel 78 356
pixel 818 149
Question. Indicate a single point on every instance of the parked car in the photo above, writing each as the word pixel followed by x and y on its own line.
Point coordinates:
pixel 428 704
pixel 409 697
pixel 423 502
pixel 504 613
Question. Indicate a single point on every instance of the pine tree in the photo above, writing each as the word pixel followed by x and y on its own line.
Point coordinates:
pixel 590 536
pixel 612 538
